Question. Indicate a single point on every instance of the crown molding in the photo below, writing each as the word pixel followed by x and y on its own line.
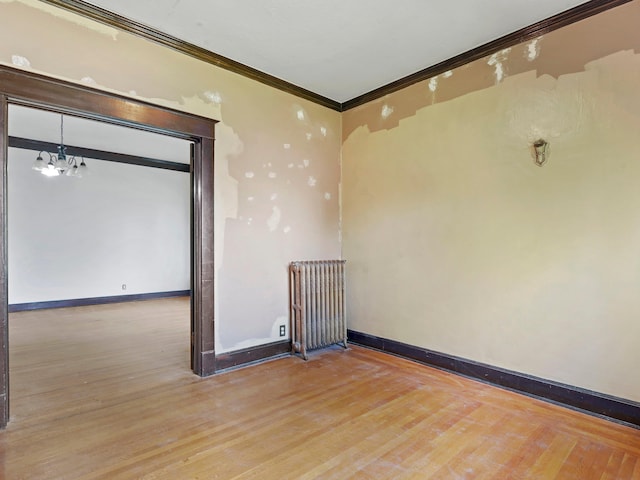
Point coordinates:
pixel 593 7
pixel 117 21
pixel 588 9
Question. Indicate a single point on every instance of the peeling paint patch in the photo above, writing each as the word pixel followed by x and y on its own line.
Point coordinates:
pixel 386 111
pixel 300 114
pixel 88 81
pixel 227 195
pixel 286 229
pixel 273 196
pixel 499 72
pixel 274 219
pixel 291 165
pixel 249 221
pixel 249 174
pixel 287 146
pixel 496 61
pixel 20 61
pixel 327 196
pixel 214 97
pixel 533 49
pixel 309 136
pixel 312 181
pixel 133 93
pixel 323 131
pixel 433 84
pixel 250 199
pixel 195 104
pixel 305 162
pixel 74 18
pixel 447 74
pixel 272 175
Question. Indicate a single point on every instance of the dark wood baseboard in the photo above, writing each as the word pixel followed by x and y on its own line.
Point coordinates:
pixel 81 302
pixel 207 363
pixel 612 408
pixel 252 354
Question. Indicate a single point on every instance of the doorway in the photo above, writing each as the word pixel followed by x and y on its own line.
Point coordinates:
pixel 23 88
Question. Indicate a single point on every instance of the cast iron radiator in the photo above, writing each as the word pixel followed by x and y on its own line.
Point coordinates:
pixel 318 316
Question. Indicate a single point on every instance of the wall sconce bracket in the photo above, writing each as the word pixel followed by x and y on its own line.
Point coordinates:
pixel 541 151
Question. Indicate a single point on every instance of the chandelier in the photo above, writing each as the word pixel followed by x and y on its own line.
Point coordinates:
pixel 58 163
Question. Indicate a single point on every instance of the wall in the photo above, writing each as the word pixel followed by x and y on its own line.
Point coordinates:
pixel 87 238
pixel 78 238
pixel 277 157
pixel 457 242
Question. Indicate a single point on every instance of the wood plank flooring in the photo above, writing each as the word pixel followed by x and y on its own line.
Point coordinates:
pixel 106 392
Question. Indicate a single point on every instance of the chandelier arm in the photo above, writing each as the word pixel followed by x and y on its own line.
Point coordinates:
pixel 60 163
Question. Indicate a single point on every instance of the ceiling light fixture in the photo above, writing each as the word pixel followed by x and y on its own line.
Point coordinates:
pixel 58 163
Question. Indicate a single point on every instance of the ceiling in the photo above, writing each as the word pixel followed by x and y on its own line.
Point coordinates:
pixel 339 49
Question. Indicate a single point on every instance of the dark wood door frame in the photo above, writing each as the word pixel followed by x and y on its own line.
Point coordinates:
pixel 25 88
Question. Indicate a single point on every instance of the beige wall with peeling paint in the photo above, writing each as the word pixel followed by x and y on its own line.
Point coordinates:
pixel 458 243
pixel 277 156
pixel 455 240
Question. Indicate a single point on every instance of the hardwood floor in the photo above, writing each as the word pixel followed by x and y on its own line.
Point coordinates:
pixel 106 393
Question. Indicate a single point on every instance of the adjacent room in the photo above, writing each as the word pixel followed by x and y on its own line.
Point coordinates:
pixel 112 231
pixel 476 168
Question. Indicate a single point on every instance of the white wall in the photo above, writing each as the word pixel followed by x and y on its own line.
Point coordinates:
pixel 78 238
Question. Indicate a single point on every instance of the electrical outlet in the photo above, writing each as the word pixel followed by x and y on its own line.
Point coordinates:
pixel 124 286
pixel 283 330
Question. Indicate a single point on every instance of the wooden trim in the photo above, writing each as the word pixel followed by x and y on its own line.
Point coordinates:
pixel 612 408
pixel 117 21
pixel 38 91
pixel 82 302
pixel 25 88
pixel 252 354
pixel 40 146
pixel 203 257
pixel 542 27
pixel 4 282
